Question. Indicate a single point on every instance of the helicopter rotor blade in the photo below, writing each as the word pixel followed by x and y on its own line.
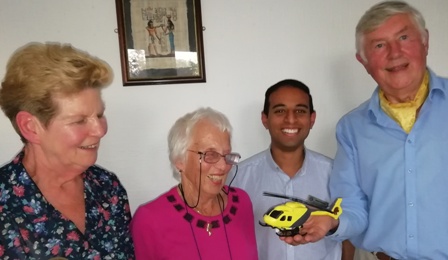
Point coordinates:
pixel 276 195
pixel 306 202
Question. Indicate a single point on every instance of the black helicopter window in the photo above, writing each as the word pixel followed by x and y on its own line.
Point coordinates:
pixel 283 218
pixel 289 218
pixel 276 213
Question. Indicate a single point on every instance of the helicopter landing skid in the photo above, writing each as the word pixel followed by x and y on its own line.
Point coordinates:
pixel 287 232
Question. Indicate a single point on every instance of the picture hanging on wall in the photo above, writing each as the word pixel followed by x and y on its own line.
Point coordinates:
pixel 160 41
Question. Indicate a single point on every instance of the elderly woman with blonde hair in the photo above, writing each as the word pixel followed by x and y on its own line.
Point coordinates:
pixel 55 203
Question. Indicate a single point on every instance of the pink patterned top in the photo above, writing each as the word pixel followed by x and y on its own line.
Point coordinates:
pixel 166 229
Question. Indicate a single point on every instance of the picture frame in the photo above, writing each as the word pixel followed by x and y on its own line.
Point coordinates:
pixel 160 41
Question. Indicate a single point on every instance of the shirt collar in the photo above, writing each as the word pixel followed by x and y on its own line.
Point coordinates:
pixel 275 168
pixel 435 86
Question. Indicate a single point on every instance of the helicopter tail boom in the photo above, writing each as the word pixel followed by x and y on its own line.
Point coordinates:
pixel 336 210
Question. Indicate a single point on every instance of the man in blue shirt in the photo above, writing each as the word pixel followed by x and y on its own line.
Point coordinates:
pixel 287 168
pixel 391 164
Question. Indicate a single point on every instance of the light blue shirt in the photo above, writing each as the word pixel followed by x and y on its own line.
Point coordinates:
pixel 393 184
pixel 260 173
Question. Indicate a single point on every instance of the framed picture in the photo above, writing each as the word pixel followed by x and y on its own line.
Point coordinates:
pixel 160 41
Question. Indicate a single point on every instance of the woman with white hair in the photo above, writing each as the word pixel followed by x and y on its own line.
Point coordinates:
pixel 201 217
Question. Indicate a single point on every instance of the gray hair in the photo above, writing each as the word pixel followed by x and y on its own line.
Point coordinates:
pixel 180 134
pixel 379 13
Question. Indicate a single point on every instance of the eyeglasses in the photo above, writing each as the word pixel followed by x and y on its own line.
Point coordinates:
pixel 214 157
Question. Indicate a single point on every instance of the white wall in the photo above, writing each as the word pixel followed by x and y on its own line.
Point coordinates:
pixel 249 45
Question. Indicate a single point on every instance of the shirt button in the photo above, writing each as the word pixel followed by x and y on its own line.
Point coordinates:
pixel 411 204
pixel 410 171
pixel 411 236
pixel 409 141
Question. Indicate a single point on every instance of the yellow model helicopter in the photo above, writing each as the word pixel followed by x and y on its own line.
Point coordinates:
pixel 288 218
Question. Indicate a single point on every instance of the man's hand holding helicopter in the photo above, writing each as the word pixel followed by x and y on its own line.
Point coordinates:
pixel 300 221
pixel 313 230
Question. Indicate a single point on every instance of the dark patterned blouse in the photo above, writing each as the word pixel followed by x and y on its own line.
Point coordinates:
pixel 31 228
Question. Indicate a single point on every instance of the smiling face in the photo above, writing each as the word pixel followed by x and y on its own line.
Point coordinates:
pixel 205 137
pixel 72 138
pixel 289 119
pixel 395 56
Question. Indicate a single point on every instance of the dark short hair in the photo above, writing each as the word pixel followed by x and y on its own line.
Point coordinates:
pixel 286 83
